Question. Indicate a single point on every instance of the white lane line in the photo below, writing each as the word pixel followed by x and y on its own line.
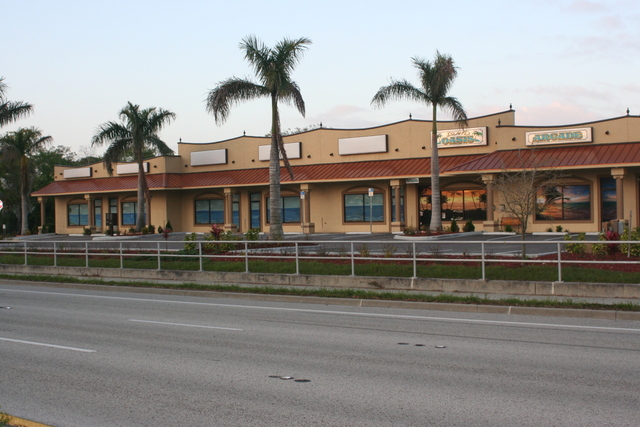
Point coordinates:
pixel 62 347
pixel 344 313
pixel 185 324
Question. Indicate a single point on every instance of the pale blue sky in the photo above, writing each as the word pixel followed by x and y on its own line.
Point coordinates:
pixel 79 62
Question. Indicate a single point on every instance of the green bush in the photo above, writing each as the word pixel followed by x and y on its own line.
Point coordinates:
pixel 410 231
pixel 190 248
pixel 86 232
pixel 632 249
pixel 576 248
pixel 253 234
pixel 469 227
pixel 454 226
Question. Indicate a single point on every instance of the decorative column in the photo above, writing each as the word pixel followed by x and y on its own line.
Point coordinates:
pixel 92 215
pixel 490 224
pixel 308 227
pixel 618 175
pixel 396 185
pixel 42 201
pixel 228 210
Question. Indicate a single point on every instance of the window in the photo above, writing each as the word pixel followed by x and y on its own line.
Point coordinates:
pixel 564 202
pixel 97 212
pixel 235 210
pixel 129 213
pixel 393 204
pixel 608 199
pixel 255 210
pixel 210 211
pixel 363 208
pixel 290 209
pixel 78 214
pixel 461 202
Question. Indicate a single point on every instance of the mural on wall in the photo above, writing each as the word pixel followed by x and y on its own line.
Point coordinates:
pixel 564 202
pixel 456 204
pixel 609 198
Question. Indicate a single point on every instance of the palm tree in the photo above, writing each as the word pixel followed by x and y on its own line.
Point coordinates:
pixel 138 133
pixel 21 146
pixel 436 79
pixel 273 67
pixel 11 111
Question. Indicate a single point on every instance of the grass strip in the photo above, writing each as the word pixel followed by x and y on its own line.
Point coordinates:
pixel 337 293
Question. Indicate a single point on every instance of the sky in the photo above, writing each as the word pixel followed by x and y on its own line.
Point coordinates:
pixel 79 62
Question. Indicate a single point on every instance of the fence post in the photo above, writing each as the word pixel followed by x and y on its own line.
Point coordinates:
pixel 121 260
pixel 559 263
pixel 297 259
pixel 55 255
pixel 158 250
pixel 353 264
pixel 484 273
pixel 25 253
pixel 246 256
pixel 415 261
pixel 200 254
pixel 86 254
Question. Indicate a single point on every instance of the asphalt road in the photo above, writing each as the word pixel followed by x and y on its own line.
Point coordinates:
pixel 94 358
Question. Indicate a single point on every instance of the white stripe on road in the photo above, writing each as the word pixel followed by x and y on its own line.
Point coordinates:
pixel 83 350
pixel 185 324
pixel 332 312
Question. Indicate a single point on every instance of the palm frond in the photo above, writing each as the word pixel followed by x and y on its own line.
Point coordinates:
pixel 398 89
pixel 231 92
pixel 290 94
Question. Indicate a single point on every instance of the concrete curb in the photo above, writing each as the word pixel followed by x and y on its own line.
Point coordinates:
pixel 435 306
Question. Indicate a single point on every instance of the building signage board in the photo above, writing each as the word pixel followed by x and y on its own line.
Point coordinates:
pixel 559 136
pixel 469 137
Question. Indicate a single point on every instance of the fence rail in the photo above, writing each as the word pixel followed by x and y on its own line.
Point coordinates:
pixel 416 253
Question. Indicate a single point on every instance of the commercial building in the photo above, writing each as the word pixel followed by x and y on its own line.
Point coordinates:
pixel 378 179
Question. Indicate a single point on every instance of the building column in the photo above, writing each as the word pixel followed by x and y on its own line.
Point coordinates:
pixel 397 226
pixel 91 209
pixel 228 210
pixel 42 201
pixel 490 224
pixel 305 204
pixel 618 175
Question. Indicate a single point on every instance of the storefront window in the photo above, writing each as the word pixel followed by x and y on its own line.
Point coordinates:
pixel 235 212
pixel 290 209
pixel 97 207
pixel 78 214
pixel 129 213
pixel 393 204
pixel 460 204
pixel 209 211
pixel 362 207
pixel 608 199
pixel 564 202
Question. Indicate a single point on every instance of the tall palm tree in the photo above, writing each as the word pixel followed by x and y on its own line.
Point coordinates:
pixel 273 68
pixel 11 111
pixel 137 133
pixel 21 146
pixel 436 79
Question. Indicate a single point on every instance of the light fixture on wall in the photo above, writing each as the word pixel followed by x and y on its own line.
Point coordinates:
pixel 513 139
pixel 424 147
pixel 308 156
pixel 331 154
pixel 606 133
pixel 397 149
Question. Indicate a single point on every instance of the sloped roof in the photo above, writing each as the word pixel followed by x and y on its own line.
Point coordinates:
pixel 420 167
pixel 624 154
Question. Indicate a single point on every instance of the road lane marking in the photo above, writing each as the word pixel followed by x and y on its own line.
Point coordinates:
pixel 82 350
pixel 185 324
pixel 344 313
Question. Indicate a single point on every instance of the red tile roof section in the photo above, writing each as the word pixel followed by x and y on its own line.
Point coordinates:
pixel 555 157
pixel 260 176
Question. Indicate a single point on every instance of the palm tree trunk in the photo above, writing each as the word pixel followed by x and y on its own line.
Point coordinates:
pixel 436 206
pixel 24 195
pixel 275 200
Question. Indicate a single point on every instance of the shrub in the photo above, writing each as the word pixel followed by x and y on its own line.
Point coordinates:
pixel 145 230
pixel 454 226
pixel 508 228
pixel 575 248
pixel 631 249
pixel 216 231
pixel 389 250
pixel 253 234
pixel 132 230
pixel 410 231
pixel 168 225
pixel 152 229
pixel 190 248
pixel 160 229
pixel 364 250
pixel 86 232
pixel 219 248
pixel 469 227
pixel 607 248
pixel 558 229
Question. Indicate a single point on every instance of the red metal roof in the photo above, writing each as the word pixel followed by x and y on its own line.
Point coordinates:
pixel 420 167
pixel 555 157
